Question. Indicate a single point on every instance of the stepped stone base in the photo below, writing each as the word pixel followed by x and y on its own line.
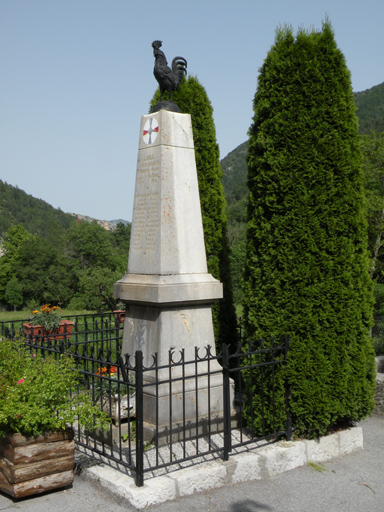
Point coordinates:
pixel 191 430
pixel 265 462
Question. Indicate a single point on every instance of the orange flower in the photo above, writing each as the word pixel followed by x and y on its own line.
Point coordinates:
pixel 101 370
pixel 113 369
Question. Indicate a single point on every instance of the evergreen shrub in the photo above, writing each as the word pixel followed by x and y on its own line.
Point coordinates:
pixel 307 265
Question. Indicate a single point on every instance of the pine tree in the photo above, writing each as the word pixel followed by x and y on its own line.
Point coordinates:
pixel 307 263
pixel 192 99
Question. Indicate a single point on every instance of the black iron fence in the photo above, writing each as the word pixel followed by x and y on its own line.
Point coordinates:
pixel 165 413
pixel 86 327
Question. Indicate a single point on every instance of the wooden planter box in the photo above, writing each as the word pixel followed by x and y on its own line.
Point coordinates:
pixel 64 330
pixel 36 464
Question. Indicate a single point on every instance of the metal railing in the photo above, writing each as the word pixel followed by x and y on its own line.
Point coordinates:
pixel 85 328
pixel 169 413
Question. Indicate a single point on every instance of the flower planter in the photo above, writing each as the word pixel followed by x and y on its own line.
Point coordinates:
pixel 64 331
pixel 36 464
pixel 119 315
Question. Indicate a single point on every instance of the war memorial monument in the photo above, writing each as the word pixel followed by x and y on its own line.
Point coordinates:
pixel 167 289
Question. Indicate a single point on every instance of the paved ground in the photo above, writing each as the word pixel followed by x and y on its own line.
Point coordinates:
pixel 352 483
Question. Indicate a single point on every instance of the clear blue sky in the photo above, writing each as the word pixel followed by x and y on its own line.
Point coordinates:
pixel 76 76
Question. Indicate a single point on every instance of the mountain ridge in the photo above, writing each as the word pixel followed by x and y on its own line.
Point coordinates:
pixel 36 215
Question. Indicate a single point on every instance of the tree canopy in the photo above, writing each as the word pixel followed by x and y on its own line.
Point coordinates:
pixel 73 268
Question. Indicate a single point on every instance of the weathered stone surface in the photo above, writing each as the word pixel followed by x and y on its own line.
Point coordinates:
pixel 167 289
pixel 379 394
pixel 167 230
pixel 155 490
pixel 351 440
pixel 158 330
pixel 160 490
pixel 248 467
pixel 284 456
pixel 195 403
pixel 323 449
pixel 199 478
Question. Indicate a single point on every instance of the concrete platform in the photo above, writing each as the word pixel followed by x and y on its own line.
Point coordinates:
pixel 264 462
pixel 347 483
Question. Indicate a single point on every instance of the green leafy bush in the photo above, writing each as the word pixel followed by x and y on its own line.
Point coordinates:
pixel 35 393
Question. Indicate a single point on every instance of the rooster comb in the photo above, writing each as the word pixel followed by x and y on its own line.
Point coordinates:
pixel 157 44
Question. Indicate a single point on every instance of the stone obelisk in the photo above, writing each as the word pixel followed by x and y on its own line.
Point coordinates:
pixel 167 289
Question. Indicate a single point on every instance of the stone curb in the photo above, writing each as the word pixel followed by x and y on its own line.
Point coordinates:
pixel 264 462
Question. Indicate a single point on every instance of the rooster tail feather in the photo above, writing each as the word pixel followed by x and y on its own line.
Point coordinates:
pixel 179 68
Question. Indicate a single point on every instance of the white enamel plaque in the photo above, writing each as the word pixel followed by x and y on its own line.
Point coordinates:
pixel 151 129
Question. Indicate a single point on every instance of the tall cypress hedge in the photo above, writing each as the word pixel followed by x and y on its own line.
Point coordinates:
pixel 307 264
pixel 192 99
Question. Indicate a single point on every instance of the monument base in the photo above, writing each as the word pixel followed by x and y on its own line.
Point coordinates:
pixel 187 406
pixel 168 105
pixel 157 330
pixel 167 289
pixel 191 429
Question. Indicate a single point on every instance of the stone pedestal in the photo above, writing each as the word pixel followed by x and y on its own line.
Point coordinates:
pixel 167 289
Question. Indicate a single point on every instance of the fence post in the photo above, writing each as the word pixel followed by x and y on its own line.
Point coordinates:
pixel 139 419
pixel 288 424
pixel 227 403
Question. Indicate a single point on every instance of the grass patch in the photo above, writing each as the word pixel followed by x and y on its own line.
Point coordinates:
pixel 316 467
pixel 25 314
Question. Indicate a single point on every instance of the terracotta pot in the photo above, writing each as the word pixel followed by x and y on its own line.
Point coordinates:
pixel 64 330
pixel 119 315
pixel 36 464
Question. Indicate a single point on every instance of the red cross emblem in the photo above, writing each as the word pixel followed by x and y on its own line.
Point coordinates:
pixel 150 131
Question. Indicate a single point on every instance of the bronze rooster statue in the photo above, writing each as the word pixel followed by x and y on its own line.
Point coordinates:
pixel 168 78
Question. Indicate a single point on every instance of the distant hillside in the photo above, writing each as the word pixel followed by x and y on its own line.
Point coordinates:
pixel 35 215
pixel 106 224
pixel 370 109
pixel 234 167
